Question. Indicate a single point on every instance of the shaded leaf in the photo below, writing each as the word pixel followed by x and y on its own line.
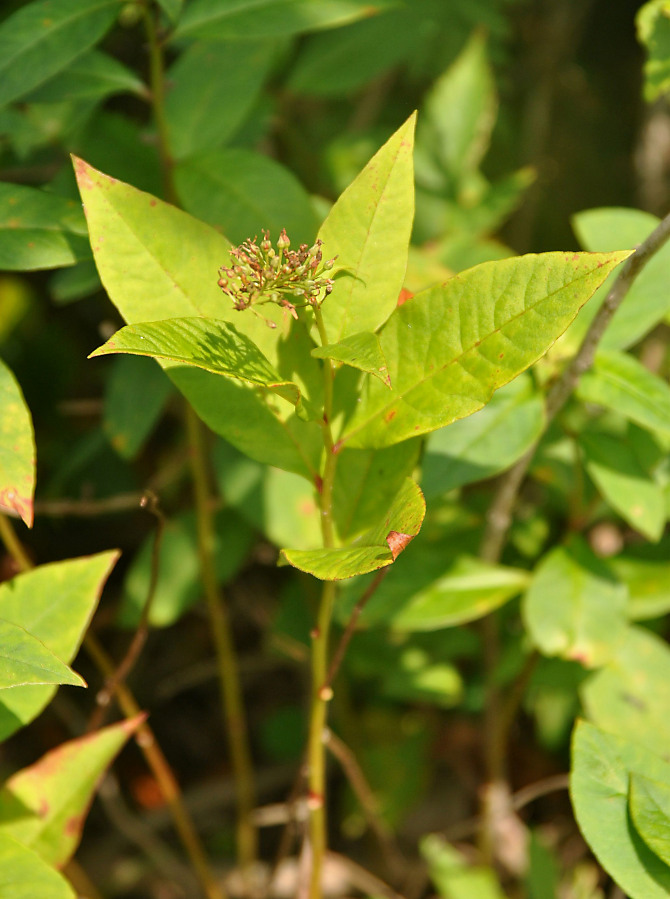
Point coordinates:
pixel 628 696
pixel 371 551
pixel 43 37
pixel 45 806
pixel 469 589
pixel 25 660
pixel 653 30
pixel 54 602
pixel 485 443
pixel 648 583
pixel 17 449
pixel 242 192
pixel 39 230
pixel 601 765
pixel 214 86
pixel 268 18
pixel 23 874
pixel 130 414
pixel 368 229
pixel 619 382
pixel 362 351
pixel 623 482
pixel 216 346
pixel 451 346
pixel 95 75
pixel 650 811
pixel 453 876
pixel 574 607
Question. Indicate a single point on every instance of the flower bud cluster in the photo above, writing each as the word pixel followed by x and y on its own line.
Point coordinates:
pixel 262 274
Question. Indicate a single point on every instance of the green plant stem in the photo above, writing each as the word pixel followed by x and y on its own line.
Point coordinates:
pixel 321 690
pixel 144 738
pixel 229 680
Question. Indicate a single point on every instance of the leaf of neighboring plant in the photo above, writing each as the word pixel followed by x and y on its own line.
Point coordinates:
pixel 629 695
pixel 648 583
pixel 460 111
pixel 453 876
pixel 54 602
pixel 366 482
pixel 647 302
pixel 23 874
pixel 621 383
pixel 157 262
pixel 268 18
pixel 171 8
pixel 178 587
pixel 362 351
pixel 373 549
pixel 485 443
pixel 39 230
pixel 368 229
pixel 74 283
pixel 130 413
pixel 623 482
pixel 45 806
pixel 601 766
pixel 25 660
pixel 95 75
pixel 242 192
pixel 650 811
pixel 17 449
pixel 653 30
pixel 216 346
pixel 214 87
pixel 574 607
pixel 42 38
pixel 451 346
pixel 468 590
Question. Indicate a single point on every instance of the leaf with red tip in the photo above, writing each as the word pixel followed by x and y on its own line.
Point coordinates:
pixel 17 449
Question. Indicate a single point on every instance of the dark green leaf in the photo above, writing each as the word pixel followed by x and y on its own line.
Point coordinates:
pixel 131 412
pixel 95 75
pixel 44 37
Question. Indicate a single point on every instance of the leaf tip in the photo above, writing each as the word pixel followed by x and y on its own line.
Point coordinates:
pixel 397 542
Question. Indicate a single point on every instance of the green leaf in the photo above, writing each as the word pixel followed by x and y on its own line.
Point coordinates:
pixel 468 590
pixel 75 283
pixel 25 660
pixel 55 603
pixel 362 351
pixel 45 806
pixel 242 192
pixel 42 38
pixel 214 86
pixel 323 63
pixel 621 383
pixel 460 111
pixel 368 229
pixel 650 811
pixel 647 301
pixel 601 766
pixel 17 449
pixel 171 8
pixel 653 30
pixel 130 414
pixel 178 588
pixel 375 549
pixel 453 876
pixel 648 583
pixel 39 230
pixel 95 75
pixel 629 695
pixel 215 346
pixel 156 262
pixel 623 482
pixel 366 482
pixel 23 874
pixel 574 607
pixel 249 19
pixel 451 346
pixel 485 443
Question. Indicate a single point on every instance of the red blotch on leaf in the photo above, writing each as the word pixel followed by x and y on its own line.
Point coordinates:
pixel 404 295
pixel 397 542
pixel 390 415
